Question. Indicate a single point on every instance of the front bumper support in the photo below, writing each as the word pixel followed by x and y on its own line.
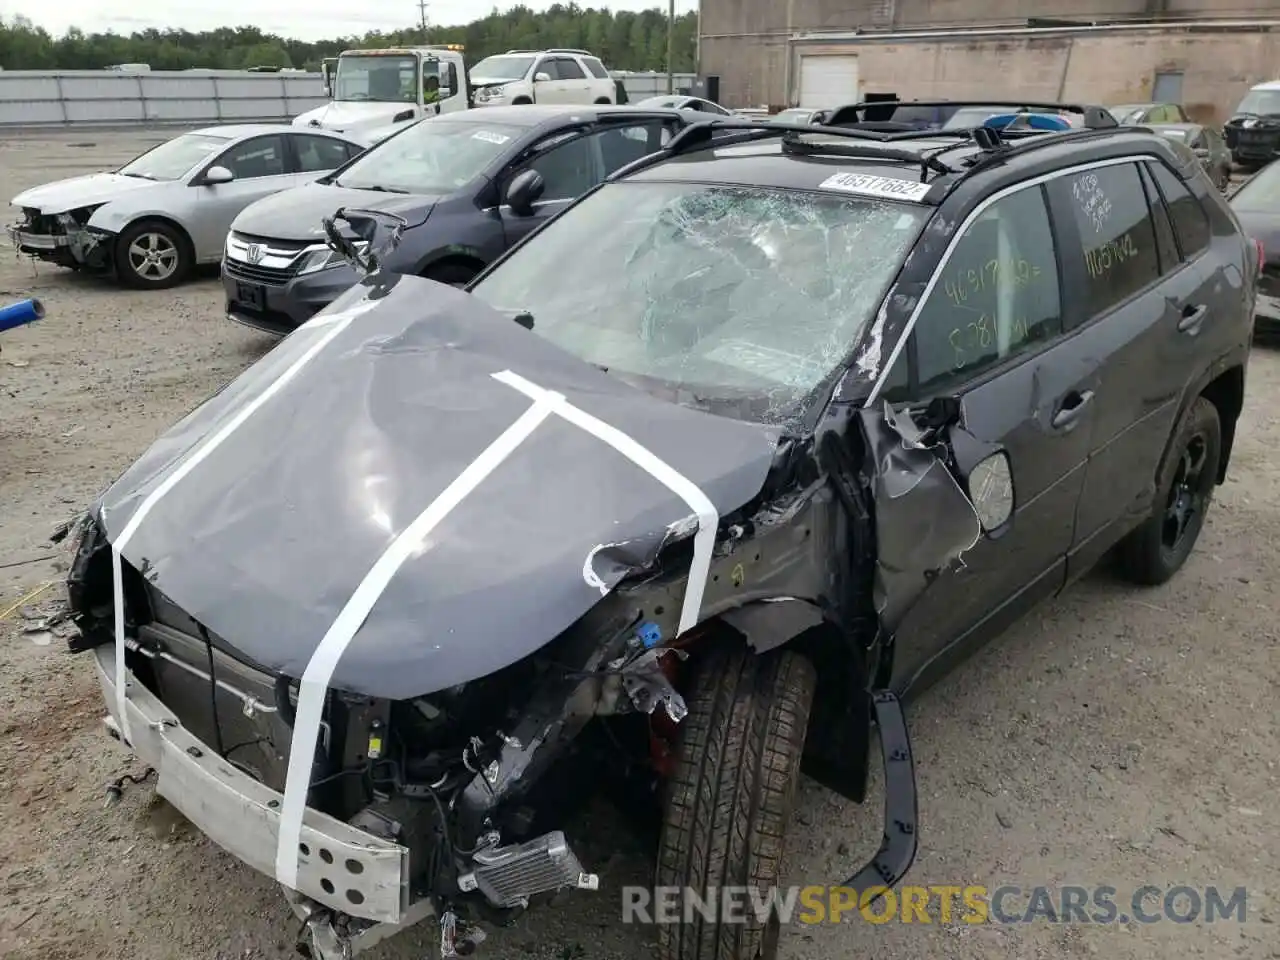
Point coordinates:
pixel 340 867
pixel 901 807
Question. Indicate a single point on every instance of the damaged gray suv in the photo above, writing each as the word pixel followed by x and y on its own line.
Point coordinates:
pixel 693 485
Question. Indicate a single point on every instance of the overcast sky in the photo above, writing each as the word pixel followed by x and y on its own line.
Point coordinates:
pixel 303 19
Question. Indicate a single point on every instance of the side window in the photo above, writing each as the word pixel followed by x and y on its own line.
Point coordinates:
pixel 259 157
pixel 316 154
pixel 567 69
pixel 1116 234
pixel 568 169
pixel 997 295
pixel 596 67
pixel 1165 243
pixel 1190 222
pixel 621 145
pixel 353 151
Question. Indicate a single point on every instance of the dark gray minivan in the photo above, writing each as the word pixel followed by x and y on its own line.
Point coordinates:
pixel 469 186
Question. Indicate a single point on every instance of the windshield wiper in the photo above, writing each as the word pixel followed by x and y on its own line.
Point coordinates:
pixel 140 176
pixel 376 187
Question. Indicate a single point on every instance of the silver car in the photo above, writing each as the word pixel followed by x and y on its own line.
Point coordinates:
pixel 679 102
pixel 159 215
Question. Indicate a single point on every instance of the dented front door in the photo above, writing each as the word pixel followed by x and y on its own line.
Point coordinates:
pixel 990 336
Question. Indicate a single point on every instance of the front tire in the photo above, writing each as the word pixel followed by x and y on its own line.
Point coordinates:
pixel 152 256
pixel 730 799
pixel 1155 551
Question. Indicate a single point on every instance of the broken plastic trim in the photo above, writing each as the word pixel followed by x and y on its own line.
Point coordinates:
pixel 380 231
pixel 901 808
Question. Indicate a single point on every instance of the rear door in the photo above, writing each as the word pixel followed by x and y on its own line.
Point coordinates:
pixel 990 333
pixel 1142 307
pixel 262 166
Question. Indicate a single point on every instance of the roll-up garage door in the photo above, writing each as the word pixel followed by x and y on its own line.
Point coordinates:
pixel 828 80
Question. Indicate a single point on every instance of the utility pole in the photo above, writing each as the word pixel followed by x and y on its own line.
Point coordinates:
pixel 671 46
pixel 422 13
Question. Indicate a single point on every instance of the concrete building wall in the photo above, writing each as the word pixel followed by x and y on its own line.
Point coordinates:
pixel 747 44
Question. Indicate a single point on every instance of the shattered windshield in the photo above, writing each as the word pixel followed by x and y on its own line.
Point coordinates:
pixel 742 301
pixel 436 156
pixel 174 160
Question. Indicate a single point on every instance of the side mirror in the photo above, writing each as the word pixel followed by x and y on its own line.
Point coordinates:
pixel 216 175
pixel 991 492
pixel 541 77
pixel 327 79
pixel 524 190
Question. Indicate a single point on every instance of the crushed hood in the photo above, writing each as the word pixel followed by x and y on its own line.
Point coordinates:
pixel 264 536
pixel 62 196
pixel 297 214
pixel 347 116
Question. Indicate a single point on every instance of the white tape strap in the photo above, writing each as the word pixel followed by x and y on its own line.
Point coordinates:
pixel 320 668
pixel 708 518
pixel 172 480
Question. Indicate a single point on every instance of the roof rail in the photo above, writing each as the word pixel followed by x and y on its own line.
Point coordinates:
pixel 1095 117
pixel 574 50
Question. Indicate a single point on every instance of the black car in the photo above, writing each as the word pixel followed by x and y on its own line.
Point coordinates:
pixel 1253 132
pixel 685 491
pixel 467 185
pixel 1257 204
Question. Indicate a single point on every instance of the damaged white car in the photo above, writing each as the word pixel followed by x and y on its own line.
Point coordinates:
pixel 152 220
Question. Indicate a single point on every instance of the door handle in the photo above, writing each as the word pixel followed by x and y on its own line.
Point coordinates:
pixel 1073 407
pixel 1191 319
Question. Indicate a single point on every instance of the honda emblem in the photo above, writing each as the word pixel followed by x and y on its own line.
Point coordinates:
pixel 253 253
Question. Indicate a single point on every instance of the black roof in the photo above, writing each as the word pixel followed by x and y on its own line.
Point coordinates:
pixel 791 156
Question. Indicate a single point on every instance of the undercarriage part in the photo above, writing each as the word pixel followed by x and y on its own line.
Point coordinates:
pixel 509 876
pixel 327 935
pixel 648 686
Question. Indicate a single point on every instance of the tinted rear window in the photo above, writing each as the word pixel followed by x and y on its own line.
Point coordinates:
pixel 596 67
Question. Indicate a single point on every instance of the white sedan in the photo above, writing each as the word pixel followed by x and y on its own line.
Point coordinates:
pixel 164 212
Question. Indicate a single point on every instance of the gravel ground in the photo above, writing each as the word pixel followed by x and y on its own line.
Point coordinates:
pixel 1116 737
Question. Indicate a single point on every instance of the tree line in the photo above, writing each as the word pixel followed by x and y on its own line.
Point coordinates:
pixel 624 40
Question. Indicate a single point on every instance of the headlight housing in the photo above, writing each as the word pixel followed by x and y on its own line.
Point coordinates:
pixel 322 258
pixel 491 93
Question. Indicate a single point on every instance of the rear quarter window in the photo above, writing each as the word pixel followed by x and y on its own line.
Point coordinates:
pixel 1190 222
pixel 1116 236
pixel 596 68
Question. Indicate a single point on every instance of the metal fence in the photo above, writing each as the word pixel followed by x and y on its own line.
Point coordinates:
pixel 35 98
pixel 30 98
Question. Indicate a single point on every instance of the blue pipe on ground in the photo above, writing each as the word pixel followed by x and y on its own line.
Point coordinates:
pixel 20 313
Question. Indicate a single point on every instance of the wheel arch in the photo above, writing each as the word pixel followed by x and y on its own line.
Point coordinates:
pixel 452 256
pixel 183 233
pixel 837 751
